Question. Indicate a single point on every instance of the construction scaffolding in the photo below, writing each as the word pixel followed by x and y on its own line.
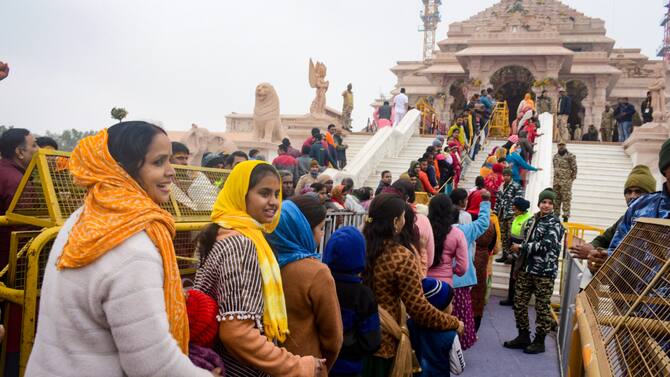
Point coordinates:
pixel 664 50
pixel 430 15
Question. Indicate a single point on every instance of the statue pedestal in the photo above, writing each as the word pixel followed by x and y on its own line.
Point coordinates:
pixel 645 143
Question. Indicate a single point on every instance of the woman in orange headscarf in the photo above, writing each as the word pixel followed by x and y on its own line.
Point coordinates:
pixel 112 298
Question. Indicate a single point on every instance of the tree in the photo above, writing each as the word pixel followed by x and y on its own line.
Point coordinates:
pixel 119 113
pixel 69 138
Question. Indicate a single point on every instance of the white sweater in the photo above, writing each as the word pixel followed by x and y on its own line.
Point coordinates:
pixel 108 318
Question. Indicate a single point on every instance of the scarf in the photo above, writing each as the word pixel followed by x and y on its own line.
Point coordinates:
pixel 293 239
pixel 116 208
pixel 230 212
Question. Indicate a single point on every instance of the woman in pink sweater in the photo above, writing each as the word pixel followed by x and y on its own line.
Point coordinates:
pixel 450 243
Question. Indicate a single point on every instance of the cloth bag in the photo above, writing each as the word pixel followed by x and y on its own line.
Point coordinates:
pixel 405 363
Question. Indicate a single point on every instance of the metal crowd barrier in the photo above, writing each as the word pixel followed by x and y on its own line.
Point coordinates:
pixel 623 315
pixel 571 277
pixel 338 219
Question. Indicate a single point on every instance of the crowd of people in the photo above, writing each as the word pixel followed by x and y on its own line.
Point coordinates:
pixel 415 276
pixel 263 298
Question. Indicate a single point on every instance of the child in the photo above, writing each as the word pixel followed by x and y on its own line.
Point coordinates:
pixel 345 256
pixel 516 234
pixel 434 347
pixel 537 268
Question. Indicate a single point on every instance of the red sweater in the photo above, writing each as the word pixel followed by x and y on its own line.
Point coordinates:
pixel 425 182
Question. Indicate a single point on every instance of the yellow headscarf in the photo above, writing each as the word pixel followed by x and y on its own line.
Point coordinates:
pixel 230 212
pixel 116 208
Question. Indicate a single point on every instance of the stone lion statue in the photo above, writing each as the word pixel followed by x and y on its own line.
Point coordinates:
pixel 267 122
pixel 200 141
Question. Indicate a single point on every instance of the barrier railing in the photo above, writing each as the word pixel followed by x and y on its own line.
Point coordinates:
pixel 571 276
pixel 338 219
pixel 28 260
pixel 623 315
pixel 387 142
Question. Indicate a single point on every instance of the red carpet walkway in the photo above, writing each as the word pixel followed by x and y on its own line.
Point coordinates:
pixel 489 358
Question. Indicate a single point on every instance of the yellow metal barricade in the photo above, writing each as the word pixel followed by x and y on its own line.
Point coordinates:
pixel 574 230
pixel 47 196
pixel 623 315
pixel 499 123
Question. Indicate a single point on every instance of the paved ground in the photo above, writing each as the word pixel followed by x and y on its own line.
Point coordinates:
pixel 489 358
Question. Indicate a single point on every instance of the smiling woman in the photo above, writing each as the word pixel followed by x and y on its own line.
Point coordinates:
pixel 240 272
pixel 112 268
pixel 143 150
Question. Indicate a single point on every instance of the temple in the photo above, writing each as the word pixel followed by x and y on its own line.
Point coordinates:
pixel 518 46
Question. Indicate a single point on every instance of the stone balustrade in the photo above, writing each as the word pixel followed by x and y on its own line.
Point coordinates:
pixel 387 142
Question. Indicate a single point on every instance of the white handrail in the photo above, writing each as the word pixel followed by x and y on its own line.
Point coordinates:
pixel 542 158
pixel 386 142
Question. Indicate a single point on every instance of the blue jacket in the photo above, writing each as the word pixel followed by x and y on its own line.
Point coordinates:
pixel 656 205
pixel 473 231
pixel 432 349
pixel 624 113
pixel 564 105
pixel 486 102
pixel 518 163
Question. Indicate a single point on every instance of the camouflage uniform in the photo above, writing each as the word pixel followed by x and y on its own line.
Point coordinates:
pixel 565 171
pixel 503 209
pixel 562 126
pixel 544 105
pixel 607 125
pixel 538 267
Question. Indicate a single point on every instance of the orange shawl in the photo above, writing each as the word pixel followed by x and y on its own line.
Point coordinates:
pixel 116 208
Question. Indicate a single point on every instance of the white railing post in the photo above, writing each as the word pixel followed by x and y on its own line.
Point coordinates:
pixel 542 158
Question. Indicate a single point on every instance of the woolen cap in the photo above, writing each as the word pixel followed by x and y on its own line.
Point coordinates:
pixel 547 193
pixel 507 171
pixel 521 203
pixel 641 177
pixel 437 292
pixel 203 326
pixel 345 251
pixel 664 156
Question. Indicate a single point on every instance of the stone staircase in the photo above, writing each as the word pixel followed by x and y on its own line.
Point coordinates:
pixel 597 193
pixel 413 150
pixel 355 141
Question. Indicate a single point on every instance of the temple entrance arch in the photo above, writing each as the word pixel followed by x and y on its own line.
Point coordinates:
pixel 577 91
pixel 457 93
pixel 510 83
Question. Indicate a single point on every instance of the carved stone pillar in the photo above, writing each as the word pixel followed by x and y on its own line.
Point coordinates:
pixel 588 111
pixel 552 92
pixel 599 100
pixel 446 113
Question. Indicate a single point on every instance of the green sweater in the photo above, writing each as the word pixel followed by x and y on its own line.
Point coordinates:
pixel 605 239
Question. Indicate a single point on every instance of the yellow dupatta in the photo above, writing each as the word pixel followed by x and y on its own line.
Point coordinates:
pixel 230 212
pixel 116 208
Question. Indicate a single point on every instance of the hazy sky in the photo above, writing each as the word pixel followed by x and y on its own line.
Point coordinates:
pixel 179 62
